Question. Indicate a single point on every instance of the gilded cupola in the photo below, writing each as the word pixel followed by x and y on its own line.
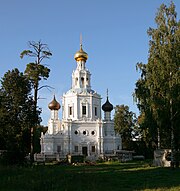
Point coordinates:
pixel 81 55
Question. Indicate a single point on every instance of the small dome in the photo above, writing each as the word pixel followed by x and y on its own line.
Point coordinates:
pixel 81 55
pixel 54 105
pixel 107 107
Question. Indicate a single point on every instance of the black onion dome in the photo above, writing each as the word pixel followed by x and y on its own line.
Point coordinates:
pixel 107 107
pixel 54 105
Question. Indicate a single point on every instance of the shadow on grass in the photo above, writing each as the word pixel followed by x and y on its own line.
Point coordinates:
pixel 112 176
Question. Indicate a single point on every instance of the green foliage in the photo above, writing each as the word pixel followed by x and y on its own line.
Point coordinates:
pixel 36 71
pixel 16 115
pixel 37 134
pixel 25 52
pixel 125 125
pixel 157 92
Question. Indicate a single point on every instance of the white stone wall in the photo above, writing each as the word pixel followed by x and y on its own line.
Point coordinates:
pixel 77 101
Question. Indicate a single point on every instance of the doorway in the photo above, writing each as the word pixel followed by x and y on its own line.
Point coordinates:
pixel 84 151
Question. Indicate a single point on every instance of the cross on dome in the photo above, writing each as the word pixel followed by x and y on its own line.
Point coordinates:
pixel 107 107
pixel 81 54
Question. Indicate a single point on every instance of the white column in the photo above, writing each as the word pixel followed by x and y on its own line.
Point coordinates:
pixel 88 146
pixel 69 137
pixel 91 107
pixel 102 140
pixel 87 110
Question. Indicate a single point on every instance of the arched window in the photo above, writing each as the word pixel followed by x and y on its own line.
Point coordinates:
pixel 95 111
pixel 83 110
pixel 93 149
pixel 76 81
pixel 82 81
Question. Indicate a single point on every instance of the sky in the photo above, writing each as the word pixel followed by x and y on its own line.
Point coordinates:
pixel 114 34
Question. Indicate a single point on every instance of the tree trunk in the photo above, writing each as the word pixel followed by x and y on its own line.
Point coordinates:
pixel 33 129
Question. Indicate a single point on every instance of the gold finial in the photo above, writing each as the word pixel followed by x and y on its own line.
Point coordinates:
pixel 81 41
pixel 81 55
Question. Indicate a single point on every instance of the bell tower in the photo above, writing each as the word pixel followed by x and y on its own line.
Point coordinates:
pixel 81 77
pixel 81 102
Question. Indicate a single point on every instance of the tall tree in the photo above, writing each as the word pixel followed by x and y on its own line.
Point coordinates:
pixel 158 89
pixel 16 115
pixel 36 71
pixel 124 121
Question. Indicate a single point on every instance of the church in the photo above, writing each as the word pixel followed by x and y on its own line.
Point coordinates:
pixel 82 130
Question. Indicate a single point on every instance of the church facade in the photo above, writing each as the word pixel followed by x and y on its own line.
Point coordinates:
pixel 82 130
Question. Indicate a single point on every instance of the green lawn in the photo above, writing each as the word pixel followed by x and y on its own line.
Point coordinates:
pixel 106 176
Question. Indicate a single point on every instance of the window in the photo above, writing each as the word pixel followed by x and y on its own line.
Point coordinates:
pixel 82 80
pixel 76 149
pixel 76 81
pixel 58 148
pixel 76 132
pixel 84 132
pixel 70 110
pixel 84 110
pixel 95 111
pixel 93 149
pixel 92 132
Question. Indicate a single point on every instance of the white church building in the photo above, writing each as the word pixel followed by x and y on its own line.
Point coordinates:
pixel 82 130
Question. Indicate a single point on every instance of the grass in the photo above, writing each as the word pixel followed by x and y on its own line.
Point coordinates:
pixel 132 176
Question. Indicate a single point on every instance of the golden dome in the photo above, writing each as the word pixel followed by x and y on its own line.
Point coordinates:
pixel 54 105
pixel 81 55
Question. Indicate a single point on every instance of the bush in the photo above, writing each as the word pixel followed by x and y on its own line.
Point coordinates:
pixel 12 158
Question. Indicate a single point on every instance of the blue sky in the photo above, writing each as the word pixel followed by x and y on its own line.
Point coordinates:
pixel 114 36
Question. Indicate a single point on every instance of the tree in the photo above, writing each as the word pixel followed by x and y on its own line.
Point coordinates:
pixel 36 72
pixel 124 121
pixel 37 134
pixel 16 115
pixel 158 90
